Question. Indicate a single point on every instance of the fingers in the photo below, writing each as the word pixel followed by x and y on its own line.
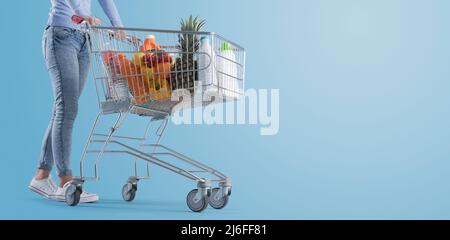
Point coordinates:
pixel 96 21
pixel 121 34
pixel 93 21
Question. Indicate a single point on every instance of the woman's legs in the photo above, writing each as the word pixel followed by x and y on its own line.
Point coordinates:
pixel 46 159
pixel 83 67
pixel 67 65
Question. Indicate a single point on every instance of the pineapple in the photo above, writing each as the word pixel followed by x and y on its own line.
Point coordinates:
pixel 184 71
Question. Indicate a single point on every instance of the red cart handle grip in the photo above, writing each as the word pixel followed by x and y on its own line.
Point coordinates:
pixel 78 19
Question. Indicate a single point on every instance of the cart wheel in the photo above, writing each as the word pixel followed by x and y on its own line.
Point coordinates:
pixel 199 206
pixel 218 202
pixel 73 194
pixel 129 192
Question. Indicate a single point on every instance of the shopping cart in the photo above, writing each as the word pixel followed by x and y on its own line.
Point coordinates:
pixel 152 84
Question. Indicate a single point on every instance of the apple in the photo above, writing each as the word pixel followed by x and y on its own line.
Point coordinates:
pixel 147 59
pixel 153 58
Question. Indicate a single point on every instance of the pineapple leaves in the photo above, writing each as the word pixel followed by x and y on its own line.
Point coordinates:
pixel 186 65
pixel 189 43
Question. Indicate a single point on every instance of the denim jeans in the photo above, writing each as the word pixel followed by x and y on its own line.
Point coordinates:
pixel 66 53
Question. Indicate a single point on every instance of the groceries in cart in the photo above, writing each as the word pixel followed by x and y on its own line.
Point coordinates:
pixel 147 74
pixel 151 72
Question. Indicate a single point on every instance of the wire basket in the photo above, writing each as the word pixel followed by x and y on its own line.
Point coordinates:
pixel 158 69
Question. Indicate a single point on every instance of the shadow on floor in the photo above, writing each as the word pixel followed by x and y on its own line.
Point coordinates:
pixel 137 207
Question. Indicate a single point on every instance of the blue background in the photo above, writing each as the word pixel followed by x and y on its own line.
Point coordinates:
pixel 364 114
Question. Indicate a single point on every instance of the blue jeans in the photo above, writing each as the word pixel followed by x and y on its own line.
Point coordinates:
pixel 66 53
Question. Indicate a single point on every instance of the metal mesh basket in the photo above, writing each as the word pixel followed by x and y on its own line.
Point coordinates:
pixel 157 69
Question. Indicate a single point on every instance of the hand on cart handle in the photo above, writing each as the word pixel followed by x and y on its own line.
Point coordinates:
pixel 90 20
pixel 94 21
pixel 122 35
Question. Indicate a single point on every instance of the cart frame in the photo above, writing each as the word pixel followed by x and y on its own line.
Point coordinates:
pixel 150 152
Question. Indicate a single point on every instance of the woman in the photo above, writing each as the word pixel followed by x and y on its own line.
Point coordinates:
pixel 67 58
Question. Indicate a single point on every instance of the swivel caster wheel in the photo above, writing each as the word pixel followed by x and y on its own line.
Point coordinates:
pixel 73 194
pixel 218 200
pixel 197 203
pixel 129 191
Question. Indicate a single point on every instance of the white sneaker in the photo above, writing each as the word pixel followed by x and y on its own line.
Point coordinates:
pixel 45 187
pixel 60 195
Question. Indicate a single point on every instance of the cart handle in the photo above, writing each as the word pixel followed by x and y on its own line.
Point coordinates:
pixel 78 20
